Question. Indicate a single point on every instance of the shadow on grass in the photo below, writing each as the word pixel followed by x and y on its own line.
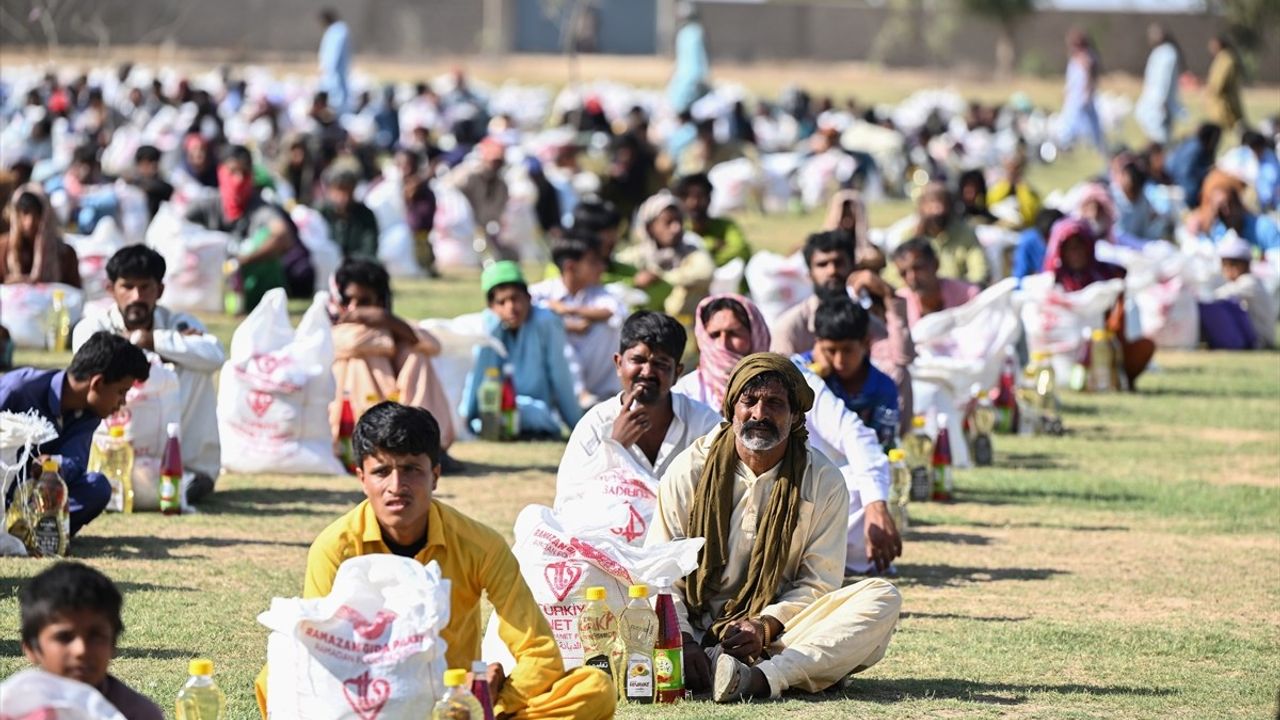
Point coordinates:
pixel 268 501
pixel 956 616
pixel 9 587
pixel 997 693
pixel 1033 495
pixel 945 575
pixel 1019 525
pixel 473 468
pixel 1030 461
pixel 1070 410
pixel 151 548
pixel 13 648
pixel 914 535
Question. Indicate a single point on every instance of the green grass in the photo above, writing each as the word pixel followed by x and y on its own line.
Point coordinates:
pixel 1130 569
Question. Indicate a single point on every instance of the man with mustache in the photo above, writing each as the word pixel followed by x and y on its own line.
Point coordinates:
pixel 645 423
pixel 764 611
pixel 136 274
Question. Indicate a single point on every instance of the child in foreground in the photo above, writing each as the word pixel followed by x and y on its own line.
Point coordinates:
pixel 70 626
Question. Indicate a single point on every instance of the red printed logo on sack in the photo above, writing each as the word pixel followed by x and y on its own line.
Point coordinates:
pixel 259 402
pixel 561 577
pixel 366 695
pixel 266 363
pixel 634 528
pixel 367 629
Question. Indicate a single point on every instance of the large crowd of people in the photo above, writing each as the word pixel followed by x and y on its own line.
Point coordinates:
pixel 643 346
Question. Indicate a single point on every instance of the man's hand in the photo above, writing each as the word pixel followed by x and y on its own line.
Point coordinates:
pixel 697 666
pixel 644 279
pixel 883 541
pixel 871 282
pixel 374 317
pixel 631 424
pixel 143 339
pixel 497 679
pixel 576 325
pixel 744 639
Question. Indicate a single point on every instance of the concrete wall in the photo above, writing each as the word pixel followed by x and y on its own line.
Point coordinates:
pixel 797 29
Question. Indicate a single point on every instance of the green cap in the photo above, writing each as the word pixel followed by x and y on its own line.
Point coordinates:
pixel 500 273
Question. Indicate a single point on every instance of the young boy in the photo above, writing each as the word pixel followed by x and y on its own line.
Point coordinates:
pixel 1246 289
pixel 351 222
pixel 136 274
pixel 70 626
pixel 535 343
pixel 842 357
pixel 398 453
pixel 592 315
pixel 75 400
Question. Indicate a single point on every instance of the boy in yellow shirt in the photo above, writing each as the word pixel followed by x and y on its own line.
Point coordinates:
pixel 398 455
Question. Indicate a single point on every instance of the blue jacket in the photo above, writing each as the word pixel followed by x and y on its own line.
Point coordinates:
pixel 28 388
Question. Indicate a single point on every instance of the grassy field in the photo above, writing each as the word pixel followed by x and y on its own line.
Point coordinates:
pixel 1130 569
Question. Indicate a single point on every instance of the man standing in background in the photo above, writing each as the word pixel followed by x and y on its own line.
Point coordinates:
pixel 335 59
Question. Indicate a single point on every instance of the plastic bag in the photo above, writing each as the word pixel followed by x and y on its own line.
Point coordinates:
pixel 728 277
pixel 620 500
pixel 560 561
pixel 1058 322
pixel 24 311
pixel 313 232
pixel 395 240
pixel 457 337
pixel 736 185
pixel 453 229
pixel 370 649
pixel 274 392
pixel 777 282
pixel 93 251
pixel 148 409
pixel 34 694
pixel 194 257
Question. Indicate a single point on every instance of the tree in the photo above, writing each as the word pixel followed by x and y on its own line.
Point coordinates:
pixel 1250 23
pixel 1007 14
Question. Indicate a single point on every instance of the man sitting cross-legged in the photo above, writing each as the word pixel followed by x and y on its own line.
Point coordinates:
pixel 398 455
pixel 764 610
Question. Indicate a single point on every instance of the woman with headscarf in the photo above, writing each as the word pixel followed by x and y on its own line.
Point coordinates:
pixel 847 212
pixel 664 252
pixel 197 162
pixel 727 328
pixel 1075 266
pixel 33 250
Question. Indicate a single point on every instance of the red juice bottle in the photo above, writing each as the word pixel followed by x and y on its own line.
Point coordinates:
pixel 347 428
pixel 1006 402
pixel 942 483
pixel 668 651
pixel 510 414
pixel 480 687
pixel 171 474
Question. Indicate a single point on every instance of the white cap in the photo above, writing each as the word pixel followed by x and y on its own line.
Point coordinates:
pixel 479 668
pixel 171 429
pixel 1233 247
pixel 942 420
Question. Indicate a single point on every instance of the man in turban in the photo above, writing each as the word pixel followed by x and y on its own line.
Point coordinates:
pixel 764 610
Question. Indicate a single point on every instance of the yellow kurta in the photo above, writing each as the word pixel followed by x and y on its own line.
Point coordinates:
pixel 1222 91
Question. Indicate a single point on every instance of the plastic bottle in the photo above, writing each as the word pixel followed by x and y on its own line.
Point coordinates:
pixel 510 414
pixel 171 473
pixel 480 687
pixel 1006 401
pixel 490 397
pixel 899 488
pixel 200 698
pixel 886 427
pixel 919 448
pixel 942 483
pixel 58 331
pixel 638 629
pixel 598 631
pixel 458 703
pixel 668 652
pixel 1079 379
pixel 1102 363
pixel 113 457
pixel 347 428
pixel 982 420
pixel 232 298
pixel 49 516
pixel 1042 384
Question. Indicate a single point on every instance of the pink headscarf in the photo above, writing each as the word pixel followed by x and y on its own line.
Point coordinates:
pixel 715 363
pixel 1073 280
pixel 1098 193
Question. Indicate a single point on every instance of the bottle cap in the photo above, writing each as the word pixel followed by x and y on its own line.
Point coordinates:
pixel 200 666
pixel 917 422
pixel 1040 355
pixel 171 429
pixel 896 455
pixel 1099 334
pixel 59 294
pixel 942 420
pixel 455 677
pixel 116 431
pixel 492 372
pixel 49 465
pixel 479 668
pixel 596 593
pixel 638 591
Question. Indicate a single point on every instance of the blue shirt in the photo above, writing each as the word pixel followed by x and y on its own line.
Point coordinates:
pixel 1259 231
pixel 541 372
pixel 1028 257
pixel 878 392
pixel 27 388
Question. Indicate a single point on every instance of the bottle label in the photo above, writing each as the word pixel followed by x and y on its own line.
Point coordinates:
pixel 983 454
pixel 168 492
pixel 639 681
pixel 48 538
pixel 668 668
pixel 921 485
pixel 599 662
